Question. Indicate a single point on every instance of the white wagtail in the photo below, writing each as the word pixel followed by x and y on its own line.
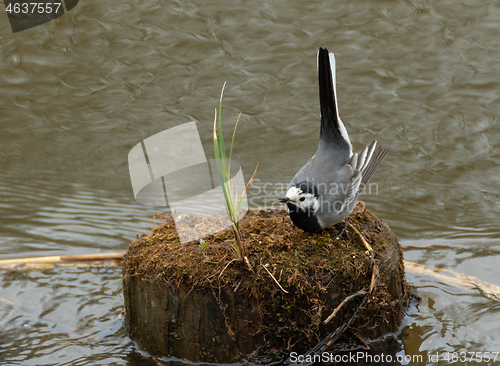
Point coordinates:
pixel 325 190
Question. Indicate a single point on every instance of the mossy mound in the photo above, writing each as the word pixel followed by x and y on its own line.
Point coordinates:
pixel 198 304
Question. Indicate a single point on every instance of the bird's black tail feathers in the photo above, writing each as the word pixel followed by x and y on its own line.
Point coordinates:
pixel 332 129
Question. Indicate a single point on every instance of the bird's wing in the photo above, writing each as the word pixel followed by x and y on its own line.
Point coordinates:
pixel 354 185
pixel 378 155
pixel 368 160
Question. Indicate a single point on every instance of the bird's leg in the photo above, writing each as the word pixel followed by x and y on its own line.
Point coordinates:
pixel 344 230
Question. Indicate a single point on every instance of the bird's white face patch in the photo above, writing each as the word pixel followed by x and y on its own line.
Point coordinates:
pixel 293 193
pixel 307 201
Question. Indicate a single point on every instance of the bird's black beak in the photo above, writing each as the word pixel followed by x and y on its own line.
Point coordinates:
pixel 284 199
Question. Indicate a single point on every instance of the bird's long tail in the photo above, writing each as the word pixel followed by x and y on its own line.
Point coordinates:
pixel 332 131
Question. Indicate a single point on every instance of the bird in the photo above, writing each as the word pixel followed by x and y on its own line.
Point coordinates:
pixel 324 191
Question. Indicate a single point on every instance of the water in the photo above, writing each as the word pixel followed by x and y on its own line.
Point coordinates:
pixel 76 94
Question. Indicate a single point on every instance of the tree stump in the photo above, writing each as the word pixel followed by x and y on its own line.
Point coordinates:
pixel 199 304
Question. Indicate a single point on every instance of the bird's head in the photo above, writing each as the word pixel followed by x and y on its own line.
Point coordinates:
pixel 301 198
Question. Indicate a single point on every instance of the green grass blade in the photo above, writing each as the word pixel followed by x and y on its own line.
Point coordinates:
pixel 221 134
pixel 244 191
pixel 232 143
pixel 220 170
pixel 226 165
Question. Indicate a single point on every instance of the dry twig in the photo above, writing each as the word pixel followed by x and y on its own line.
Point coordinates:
pixel 275 280
pixel 368 246
pixel 332 315
pixel 61 260
pixel 247 262
pixel 227 265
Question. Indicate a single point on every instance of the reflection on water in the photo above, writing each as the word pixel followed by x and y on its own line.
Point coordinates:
pixel 76 94
pixel 42 217
pixel 63 316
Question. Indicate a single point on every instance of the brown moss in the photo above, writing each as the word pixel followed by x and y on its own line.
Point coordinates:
pixel 317 270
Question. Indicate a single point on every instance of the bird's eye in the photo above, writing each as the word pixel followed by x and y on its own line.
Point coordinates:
pixel 302 199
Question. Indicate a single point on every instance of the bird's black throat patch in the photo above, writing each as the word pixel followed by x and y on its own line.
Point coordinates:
pixel 303 219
